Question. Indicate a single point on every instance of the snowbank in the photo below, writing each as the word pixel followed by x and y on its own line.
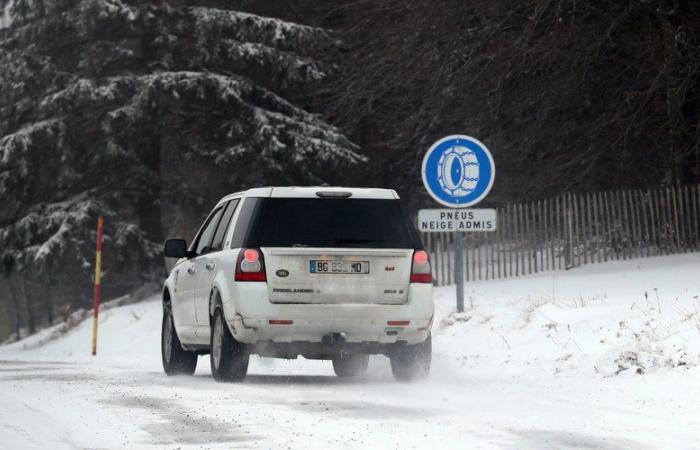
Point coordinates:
pixel 628 317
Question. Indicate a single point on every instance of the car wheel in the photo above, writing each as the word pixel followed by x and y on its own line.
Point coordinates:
pixel 351 365
pixel 229 358
pixel 176 360
pixel 412 362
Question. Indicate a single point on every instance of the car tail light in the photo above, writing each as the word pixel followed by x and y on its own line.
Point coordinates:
pixel 250 265
pixel 420 271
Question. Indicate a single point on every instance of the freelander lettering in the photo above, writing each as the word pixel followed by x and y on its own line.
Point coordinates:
pixel 293 291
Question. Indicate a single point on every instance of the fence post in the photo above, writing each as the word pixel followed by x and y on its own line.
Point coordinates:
pixel 689 220
pixel 512 217
pixel 633 223
pixel 694 209
pixel 596 227
pixel 541 222
pixel 560 234
pixel 655 220
pixel 438 259
pixel 508 256
pixel 645 219
pixel 592 232
pixel 676 227
pixel 575 237
pixel 522 237
pixel 682 193
pixel 669 219
pixel 580 205
pixel 569 234
pixel 478 259
pixel 529 239
pixel 616 235
pixel 552 234
pixel 499 241
pixel 638 222
pixel 546 245
pixel 605 223
pixel 640 225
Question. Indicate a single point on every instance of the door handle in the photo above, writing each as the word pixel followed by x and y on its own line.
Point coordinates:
pixel 210 266
pixel 191 270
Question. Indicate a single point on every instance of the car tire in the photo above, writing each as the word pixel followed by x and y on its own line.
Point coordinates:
pixel 229 358
pixel 412 362
pixel 176 360
pixel 351 365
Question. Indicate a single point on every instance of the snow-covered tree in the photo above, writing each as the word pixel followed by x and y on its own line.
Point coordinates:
pixel 146 113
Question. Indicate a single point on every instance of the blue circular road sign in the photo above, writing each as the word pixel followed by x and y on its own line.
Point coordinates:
pixel 458 171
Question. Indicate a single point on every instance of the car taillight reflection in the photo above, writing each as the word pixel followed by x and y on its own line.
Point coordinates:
pixel 250 265
pixel 420 270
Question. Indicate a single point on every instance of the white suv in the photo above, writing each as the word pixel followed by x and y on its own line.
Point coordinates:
pixel 326 273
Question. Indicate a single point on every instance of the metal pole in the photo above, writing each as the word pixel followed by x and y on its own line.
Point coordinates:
pixel 96 291
pixel 459 272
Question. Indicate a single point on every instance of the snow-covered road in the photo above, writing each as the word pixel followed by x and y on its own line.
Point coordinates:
pixel 547 361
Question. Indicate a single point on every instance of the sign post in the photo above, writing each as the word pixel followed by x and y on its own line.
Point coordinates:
pixel 459 271
pixel 96 291
pixel 458 172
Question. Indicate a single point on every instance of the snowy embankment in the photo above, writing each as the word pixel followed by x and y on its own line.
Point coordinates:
pixel 635 316
pixel 603 356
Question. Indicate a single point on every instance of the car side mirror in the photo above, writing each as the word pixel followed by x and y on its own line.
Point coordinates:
pixel 176 248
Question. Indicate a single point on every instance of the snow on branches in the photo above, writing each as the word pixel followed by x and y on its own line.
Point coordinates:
pixel 146 112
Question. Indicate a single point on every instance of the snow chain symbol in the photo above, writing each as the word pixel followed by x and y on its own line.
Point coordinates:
pixel 458 171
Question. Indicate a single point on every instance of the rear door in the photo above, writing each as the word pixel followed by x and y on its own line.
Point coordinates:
pixel 208 264
pixel 338 250
pixel 186 279
pixel 201 268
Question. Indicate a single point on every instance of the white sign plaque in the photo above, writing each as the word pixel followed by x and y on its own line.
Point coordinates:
pixel 450 220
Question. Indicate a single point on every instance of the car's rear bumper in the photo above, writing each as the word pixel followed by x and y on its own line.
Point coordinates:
pixel 253 319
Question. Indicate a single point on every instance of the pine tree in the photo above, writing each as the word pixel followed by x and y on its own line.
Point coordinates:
pixel 146 113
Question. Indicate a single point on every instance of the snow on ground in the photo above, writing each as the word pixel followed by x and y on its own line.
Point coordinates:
pixel 601 357
pixel 617 318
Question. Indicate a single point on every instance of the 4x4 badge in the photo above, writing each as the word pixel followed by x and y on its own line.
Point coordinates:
pixel 282 273
pixel 389 268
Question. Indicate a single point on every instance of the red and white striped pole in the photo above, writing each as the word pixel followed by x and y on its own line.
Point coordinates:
pixel 96 292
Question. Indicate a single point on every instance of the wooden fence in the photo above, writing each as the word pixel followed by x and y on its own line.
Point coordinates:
pixel 572 230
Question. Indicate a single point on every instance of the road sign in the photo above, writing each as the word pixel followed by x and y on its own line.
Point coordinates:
pixel 450 220
pixel 458 171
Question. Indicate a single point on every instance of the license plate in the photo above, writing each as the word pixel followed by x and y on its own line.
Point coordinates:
pixel 342 267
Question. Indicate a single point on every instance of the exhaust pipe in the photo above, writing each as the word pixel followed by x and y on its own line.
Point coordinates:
pixel 334 339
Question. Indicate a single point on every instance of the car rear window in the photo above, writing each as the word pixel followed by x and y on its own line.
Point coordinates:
pixel 366 223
